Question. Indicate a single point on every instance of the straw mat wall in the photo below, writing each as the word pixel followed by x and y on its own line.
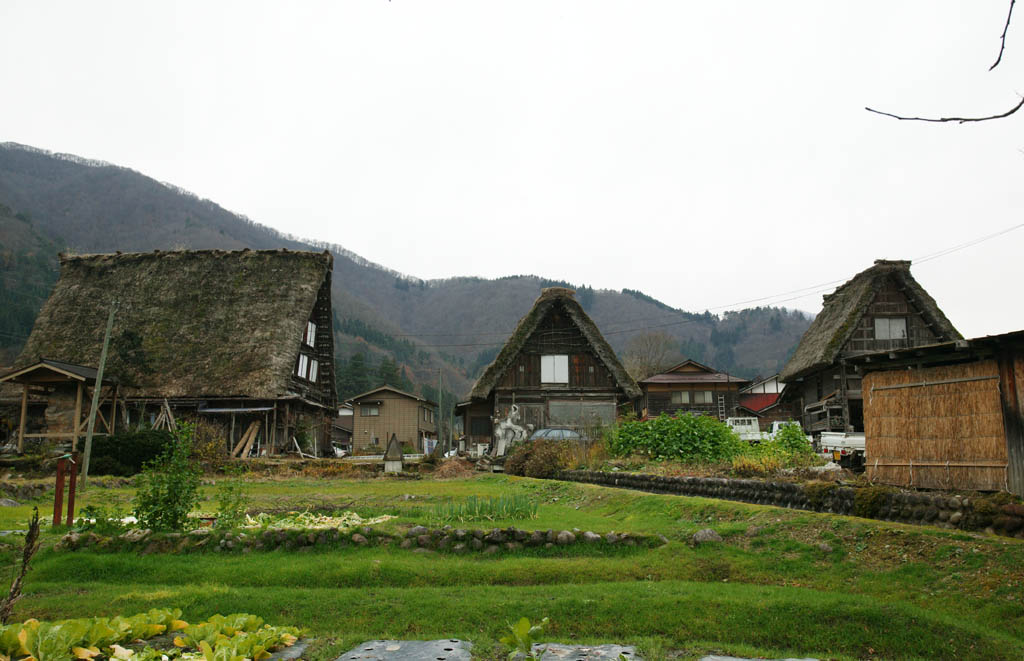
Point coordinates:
pixel 936 435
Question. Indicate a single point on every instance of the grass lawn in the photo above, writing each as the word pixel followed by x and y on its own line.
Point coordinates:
pixel 784 582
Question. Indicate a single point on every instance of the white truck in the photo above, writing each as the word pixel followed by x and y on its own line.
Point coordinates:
pixel 747 429
pixel 844 448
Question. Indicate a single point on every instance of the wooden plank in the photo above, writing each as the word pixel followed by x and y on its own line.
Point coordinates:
pixel 242 441
pixel 252 438
pixel 21 422
pixel 920 384
pixel 1013 421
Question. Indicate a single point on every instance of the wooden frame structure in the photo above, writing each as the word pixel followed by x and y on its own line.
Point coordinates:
pixel 49 374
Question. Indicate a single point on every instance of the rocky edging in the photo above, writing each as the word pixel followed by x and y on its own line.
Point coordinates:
pixel 417 539
pixel 991 514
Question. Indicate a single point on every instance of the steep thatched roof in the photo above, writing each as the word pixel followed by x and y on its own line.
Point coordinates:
pixel 207 323
pixel 549 298
pixel 843 309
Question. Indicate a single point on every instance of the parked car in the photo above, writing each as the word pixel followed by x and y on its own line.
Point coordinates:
pixel 556 434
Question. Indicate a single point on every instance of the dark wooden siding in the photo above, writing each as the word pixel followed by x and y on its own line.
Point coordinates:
pixel 322 391
pixel 890 301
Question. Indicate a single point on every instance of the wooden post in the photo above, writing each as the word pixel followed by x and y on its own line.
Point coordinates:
pixel 77 427
pixel 58 494
pixel 113 411
pixel 273 431
pixel 96 395
pixel 21 422
pixel 71 489
pixel 231 435
pixel 1013 420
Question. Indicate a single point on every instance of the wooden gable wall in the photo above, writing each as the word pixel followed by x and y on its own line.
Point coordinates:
pixel 557 334
pixel 890 301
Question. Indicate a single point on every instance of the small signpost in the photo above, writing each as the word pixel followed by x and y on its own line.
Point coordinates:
pixel 66 466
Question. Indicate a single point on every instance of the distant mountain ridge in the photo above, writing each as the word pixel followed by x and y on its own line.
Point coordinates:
pixel 453 324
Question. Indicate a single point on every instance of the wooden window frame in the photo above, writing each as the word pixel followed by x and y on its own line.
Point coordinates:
pixel 369 410
pixel 309 339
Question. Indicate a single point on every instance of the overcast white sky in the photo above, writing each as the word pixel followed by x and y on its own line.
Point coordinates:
pixel 705 153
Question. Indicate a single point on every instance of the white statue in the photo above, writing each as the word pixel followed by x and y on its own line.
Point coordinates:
pixel 507 432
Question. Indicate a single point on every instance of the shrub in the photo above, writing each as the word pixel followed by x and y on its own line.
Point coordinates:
pixel 127 452
pixel 232 501
pixel 168 486
pixel 791 439
pixel 755 466
pixel 687 438
pixel 515 506
pixel 540 458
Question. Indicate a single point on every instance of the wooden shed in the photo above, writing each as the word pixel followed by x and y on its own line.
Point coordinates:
pixel 947 415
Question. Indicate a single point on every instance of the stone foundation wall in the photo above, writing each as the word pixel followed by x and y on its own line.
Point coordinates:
pixel 989 513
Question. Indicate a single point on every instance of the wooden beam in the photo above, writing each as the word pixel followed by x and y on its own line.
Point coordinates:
pixel 1013 421
pixel 252 438
pixel 21 422
pixel 78 418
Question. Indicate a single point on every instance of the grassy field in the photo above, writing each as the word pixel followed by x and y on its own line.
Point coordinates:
pixel 784 583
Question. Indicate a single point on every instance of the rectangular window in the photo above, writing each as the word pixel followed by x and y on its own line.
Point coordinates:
pixel 554 369
pixel 890 328
pixel 303 367
pixel 310 338
pixel 314 367
pixel 368 410
pixel 703 397
pixel 682 397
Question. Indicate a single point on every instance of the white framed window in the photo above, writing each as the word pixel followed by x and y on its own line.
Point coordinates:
pixel 303 367
pixel 310 337
pixel 681 397
pixel 554 369
pixel 890 328
pixel 314 368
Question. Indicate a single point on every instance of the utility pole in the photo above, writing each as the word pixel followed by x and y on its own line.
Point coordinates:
pixel 440 398
pixel 96 396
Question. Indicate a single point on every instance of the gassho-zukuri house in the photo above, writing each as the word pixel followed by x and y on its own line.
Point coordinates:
pixel 556 369
pixel 239 341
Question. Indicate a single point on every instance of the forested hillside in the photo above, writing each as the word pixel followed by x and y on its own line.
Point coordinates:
pixel 389 327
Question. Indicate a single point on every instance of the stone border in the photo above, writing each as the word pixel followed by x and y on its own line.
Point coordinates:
pixel 417 539
pixel 874 502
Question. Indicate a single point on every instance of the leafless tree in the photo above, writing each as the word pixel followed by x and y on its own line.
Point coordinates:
pixel 649 353
pixel 962 120
pixel 29 550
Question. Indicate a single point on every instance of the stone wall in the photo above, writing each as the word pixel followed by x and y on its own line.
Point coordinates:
pixel 994 514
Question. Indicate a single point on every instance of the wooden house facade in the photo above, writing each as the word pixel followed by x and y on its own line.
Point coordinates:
pixel 882 308
pixel 948 415
pixel 241 342
pixel 386 412
pixel 555 370
pixel 690 387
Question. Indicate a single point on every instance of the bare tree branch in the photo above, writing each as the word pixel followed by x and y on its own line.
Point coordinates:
pixel 1002 40
pixel 960 120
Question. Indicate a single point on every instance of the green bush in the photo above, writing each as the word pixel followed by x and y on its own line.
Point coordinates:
pixel 232 501
pixel 791 440
pixel 168 487
pixel 687 438
pixel 127 452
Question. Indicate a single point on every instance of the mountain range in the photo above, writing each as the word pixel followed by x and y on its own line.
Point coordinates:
pixel 388 325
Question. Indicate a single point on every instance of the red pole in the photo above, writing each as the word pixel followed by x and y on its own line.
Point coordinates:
pixel 71 489
pixel 58 495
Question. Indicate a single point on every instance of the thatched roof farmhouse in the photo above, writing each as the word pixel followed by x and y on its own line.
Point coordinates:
pixel 243 335
pixel 881 308
pixel 556 369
